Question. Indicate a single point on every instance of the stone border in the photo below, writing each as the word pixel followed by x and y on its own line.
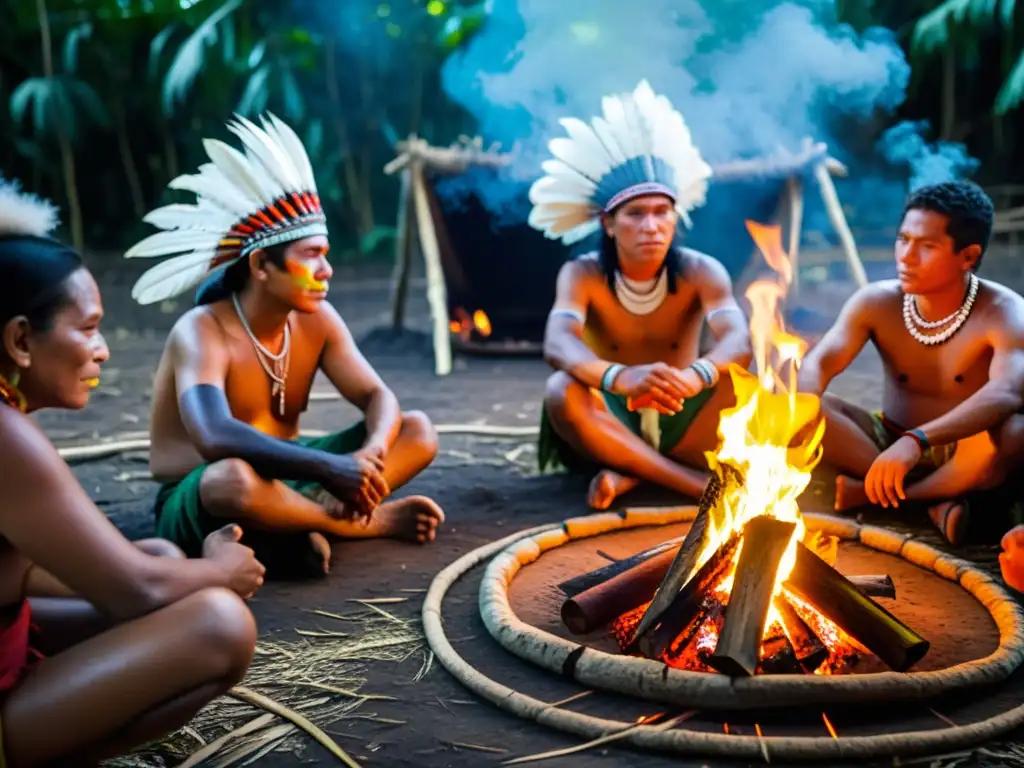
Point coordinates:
pixel 823 748
pixel 650 679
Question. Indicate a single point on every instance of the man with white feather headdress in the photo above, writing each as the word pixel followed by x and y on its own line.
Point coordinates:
pixel 238 368
pixel 632 396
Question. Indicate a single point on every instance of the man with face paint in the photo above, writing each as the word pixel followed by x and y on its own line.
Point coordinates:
pixel 952 349
pixel 238 368
pixel 632 397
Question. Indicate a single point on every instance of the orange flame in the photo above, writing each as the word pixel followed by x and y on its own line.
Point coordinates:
pixel 482 323
pixel 757 435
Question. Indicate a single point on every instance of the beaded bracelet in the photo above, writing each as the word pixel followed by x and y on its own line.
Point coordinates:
pixel 919 437
pixel 610 374
pixel 706 370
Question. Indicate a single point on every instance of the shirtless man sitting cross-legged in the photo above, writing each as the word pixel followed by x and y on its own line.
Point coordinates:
pixel 238 368
pixel 630 393
pixel 952 348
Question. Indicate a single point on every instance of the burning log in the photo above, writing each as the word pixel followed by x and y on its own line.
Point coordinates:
pixel 689 607
pixel 682 568
pixel 808 648
pixel 836 598
pixel 874 586
pixel 778 657
pixel 765 540
pixel 602 603
pixel 578 584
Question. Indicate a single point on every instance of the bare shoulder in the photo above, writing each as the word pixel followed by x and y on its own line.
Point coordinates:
pixel 876 296
pixel 199 324
pixel 324 323
pixel 27 448
pixel 1004 307
pixel 699 267
pixel 583 269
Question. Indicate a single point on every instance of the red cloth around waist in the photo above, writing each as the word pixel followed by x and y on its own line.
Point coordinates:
pixel 16 653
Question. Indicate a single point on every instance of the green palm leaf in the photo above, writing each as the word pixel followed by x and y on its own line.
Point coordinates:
pixel 1012 92
pixel 191 56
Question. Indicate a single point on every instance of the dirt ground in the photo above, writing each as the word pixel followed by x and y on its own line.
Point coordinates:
pixel 487 487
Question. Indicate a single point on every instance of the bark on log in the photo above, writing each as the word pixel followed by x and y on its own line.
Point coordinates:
pixel 686 605
pixel 603 603
pixel 879 585
pixel 579 584
pixel 765 540
pixel 838 599
pixel 808 648
pixel 686 562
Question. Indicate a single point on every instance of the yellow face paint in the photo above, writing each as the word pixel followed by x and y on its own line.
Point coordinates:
pixel 303 277
pixel 93 383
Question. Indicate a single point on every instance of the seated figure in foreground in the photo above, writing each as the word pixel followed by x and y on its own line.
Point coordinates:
pixel 630 395
pixel 105 645
pixel 237 370
pixel 952 349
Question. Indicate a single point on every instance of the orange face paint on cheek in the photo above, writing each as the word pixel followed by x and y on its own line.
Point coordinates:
pixel 303 276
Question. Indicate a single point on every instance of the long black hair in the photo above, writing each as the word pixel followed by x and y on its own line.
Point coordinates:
pixel 234 277
pixel 608 255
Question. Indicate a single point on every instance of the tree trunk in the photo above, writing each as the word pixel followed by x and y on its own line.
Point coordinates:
pixel 948 94
pixel 67 156
pixel 130 171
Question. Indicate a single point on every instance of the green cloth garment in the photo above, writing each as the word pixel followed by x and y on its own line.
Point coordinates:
pixel 555 454
pixel 181 518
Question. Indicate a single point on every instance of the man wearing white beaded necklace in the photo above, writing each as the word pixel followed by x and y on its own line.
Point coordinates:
pixel 632 399
pixel 952 349
pixel 237 371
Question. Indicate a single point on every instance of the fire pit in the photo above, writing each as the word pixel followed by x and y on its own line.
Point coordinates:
pixel 750 610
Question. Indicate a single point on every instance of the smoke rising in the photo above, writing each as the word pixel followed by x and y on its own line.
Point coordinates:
pixel 749 76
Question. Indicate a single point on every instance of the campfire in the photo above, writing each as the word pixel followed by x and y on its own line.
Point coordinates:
pixel 750 590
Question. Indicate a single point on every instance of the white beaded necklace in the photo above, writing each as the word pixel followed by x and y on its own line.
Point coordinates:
pixel 912 318
pixel 641 297
pixel 279 373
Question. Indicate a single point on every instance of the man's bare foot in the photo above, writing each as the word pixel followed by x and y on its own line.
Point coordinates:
pixel 850 494
pixel 322 547
pixel 951 518
pixel 607 486
pixel 414 518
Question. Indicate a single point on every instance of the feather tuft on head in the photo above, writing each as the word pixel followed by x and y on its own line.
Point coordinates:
pixel 22 213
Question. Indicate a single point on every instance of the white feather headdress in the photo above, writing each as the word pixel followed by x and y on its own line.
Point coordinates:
pixel 264 196
pixel 641 146
pixel 22 213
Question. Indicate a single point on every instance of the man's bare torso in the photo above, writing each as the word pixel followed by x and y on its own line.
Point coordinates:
pixel 922 382
pixel 670 334
pixel 247 387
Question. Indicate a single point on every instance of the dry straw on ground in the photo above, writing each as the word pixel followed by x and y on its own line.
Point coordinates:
pixel 320 678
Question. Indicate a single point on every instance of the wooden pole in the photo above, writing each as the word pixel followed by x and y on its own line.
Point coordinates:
pixel 874 586
pixel 437 294
pixel 795 190
pixel 765 540
pixel 403 252
pixel 830 197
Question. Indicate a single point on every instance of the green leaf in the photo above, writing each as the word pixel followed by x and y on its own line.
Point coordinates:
pixel 90 101
pixel 294 104
pixel 191 56
pixel 71 45
pixel 254 97
pixel 32 90
pixel 1012 92
pixel 256 54
pixel 377 237
pixel 156 49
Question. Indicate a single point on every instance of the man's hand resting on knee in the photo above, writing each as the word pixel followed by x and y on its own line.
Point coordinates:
pixel 245 572
pixel 356 478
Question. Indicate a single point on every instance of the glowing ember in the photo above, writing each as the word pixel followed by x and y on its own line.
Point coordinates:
pixel 464 325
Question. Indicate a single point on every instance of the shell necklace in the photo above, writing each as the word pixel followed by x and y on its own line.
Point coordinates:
pixel 641 297
pixel 277 367
pixel 912 318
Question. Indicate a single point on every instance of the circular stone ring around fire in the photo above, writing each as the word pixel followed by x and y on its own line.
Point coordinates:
pixel 653 680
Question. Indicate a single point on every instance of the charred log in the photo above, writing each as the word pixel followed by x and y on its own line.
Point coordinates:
pixel 765 540
pixel 874 586
pixel 808 648
pixel 579 584
pixel 601 604
pixel 686 608
pixel 838 599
